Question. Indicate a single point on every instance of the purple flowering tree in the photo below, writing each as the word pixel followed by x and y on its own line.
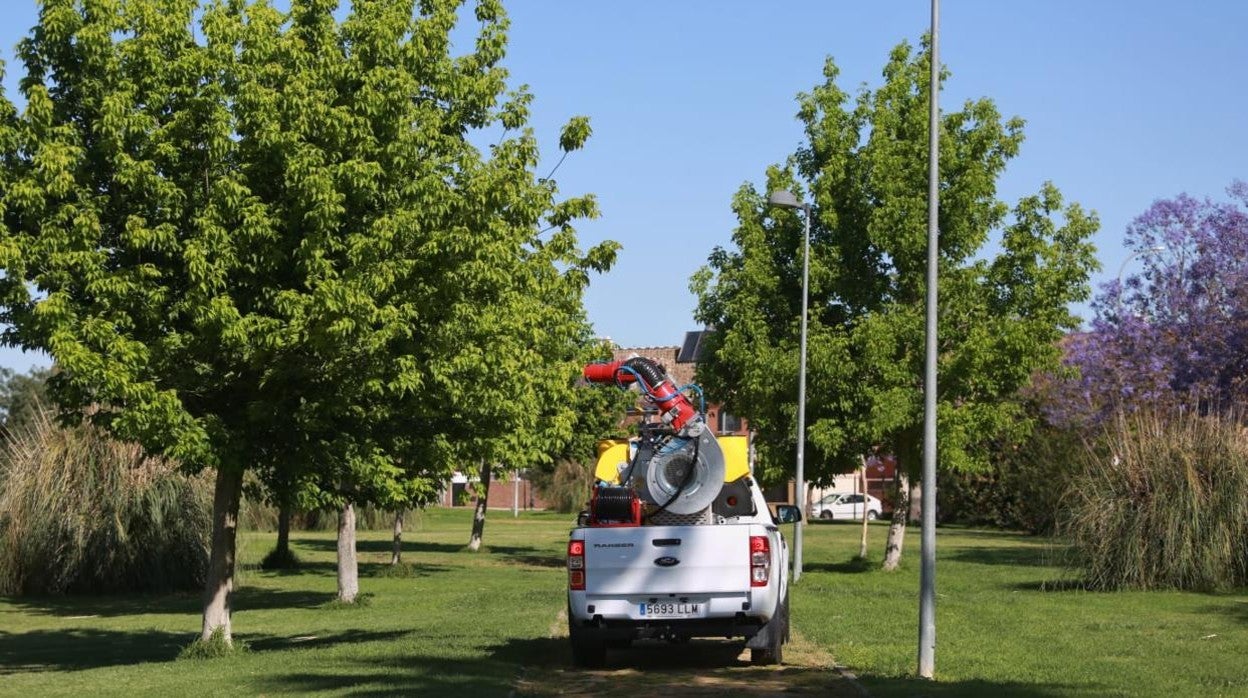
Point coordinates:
pixel 1178 330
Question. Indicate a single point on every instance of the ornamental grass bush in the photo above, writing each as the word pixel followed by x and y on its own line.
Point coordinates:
pixel 81 513
pixel 565 488
pixel 1161 502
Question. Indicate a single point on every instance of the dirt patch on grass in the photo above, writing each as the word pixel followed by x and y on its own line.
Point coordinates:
pixel 695 668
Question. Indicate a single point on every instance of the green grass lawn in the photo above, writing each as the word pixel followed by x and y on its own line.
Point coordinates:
pixel 1009 622
pixel 470 624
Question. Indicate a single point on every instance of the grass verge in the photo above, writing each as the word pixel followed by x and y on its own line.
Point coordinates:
pixel 453 622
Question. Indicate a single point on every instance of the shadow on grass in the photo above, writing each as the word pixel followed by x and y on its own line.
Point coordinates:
pixel 411 674
pixel 643 655
pixel 403 570
pixel 82 648
pixel 854 565
pixel 920 688
pixel 1239 610
pixel 73 649
pixel 1013 556
pixel 379 546
pixel 651 667
pixel 1054 585
pixel 244 599
pixel 268 643
pixel 1233 608
pixel 524 555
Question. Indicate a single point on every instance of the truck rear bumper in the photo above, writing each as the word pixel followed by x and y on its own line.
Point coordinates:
pixel 604 629
pixel 633 607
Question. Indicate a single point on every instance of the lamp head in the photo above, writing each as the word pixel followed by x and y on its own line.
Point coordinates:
pixel 784 199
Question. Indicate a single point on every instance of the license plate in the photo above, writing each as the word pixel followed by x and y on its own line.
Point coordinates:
pixel 671 610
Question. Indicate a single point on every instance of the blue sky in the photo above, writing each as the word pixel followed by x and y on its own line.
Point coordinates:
pixel 1124 103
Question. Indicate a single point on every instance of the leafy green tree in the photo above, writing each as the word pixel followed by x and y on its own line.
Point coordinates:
pixel 565 479
pixel 544 344
pixel 22 396
pixel 864 166
pixel 255 238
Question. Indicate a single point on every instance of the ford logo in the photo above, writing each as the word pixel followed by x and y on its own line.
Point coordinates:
pixel 667 561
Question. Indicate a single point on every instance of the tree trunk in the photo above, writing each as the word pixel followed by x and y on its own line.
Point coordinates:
pixel 862 546
pixel 396 553
pixel 348 569
pixel 220 583
pixel 283 530
pixel 478 518
pixel 897 527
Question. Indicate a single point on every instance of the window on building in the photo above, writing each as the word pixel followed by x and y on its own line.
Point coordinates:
pixel 728 423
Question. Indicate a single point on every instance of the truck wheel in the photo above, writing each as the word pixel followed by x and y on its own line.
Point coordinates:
pixel 777 633
pixel 587 653
pixel 589 650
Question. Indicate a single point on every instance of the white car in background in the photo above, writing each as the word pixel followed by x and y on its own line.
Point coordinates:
pixel 846 506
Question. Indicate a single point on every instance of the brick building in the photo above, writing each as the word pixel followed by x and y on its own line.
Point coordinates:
pixel 505 492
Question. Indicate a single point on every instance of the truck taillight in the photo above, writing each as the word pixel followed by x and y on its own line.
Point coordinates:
pixel 760 561
pixel 576 565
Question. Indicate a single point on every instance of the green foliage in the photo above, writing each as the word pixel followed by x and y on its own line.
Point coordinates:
pixel 565 482
pixel 864 167
pixel 257 239
pixel 268 238
pixel 566 489
pixel 1161 502
pixel 80 513
pixel 215 647
pixel 260 516
pixel 1022 488
pixel 575 133
pixel 599 413
pixel 22 396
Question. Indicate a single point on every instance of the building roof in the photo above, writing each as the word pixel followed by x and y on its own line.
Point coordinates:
pixel 682 373
pixel 691 351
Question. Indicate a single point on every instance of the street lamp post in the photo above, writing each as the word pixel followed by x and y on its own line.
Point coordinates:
pixel 927 543
pixel 786 199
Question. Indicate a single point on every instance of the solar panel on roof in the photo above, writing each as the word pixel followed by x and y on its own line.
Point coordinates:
pixel 691 350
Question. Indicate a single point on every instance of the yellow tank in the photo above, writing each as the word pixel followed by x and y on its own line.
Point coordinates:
pixel 612 452
pixel 736 456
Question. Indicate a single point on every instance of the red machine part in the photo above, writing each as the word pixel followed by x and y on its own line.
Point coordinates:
pixel 673 405
pixel 619 507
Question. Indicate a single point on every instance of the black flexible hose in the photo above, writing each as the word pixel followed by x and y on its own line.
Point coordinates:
pixel 649 371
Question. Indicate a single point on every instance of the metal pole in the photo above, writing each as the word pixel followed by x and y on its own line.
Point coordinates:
pixel 515 494
pixel 927 577
pixel 801 405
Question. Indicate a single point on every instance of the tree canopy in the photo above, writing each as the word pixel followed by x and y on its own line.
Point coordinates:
pixel 260 238
pixel 1174 332
pixel 863 167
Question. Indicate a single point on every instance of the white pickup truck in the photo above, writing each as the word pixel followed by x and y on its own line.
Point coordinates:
pixel 677 543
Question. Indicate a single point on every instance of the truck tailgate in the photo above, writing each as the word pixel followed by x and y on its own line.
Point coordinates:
pixel 667 559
